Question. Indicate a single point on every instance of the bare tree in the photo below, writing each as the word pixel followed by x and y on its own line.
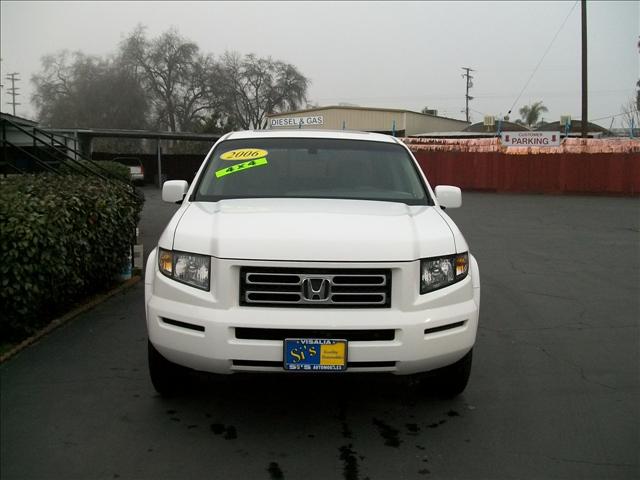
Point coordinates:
pixel 253 87
pixel 630 115
pixel 174 74
pixel 165 82
pixel 77 90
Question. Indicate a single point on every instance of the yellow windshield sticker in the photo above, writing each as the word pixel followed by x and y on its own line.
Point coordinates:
pixel 244 154
pixel 239 167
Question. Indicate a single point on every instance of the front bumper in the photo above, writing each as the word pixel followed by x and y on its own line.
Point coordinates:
pixel 197 329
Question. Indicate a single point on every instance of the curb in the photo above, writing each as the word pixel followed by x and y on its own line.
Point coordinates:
pixel 58 322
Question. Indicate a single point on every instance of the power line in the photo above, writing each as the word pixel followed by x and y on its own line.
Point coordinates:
pixel 610 116
pixel 484 114
pixel 543 56
pixel 467 97
pixel 13 91
pixel 430 98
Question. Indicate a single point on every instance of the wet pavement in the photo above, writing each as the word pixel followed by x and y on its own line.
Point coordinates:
pixel 554 390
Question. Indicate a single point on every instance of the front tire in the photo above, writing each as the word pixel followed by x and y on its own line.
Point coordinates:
pixel 449 381
pixel 452 380
pixel 167 378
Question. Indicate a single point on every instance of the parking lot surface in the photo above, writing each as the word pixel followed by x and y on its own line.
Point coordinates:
pixel 554 390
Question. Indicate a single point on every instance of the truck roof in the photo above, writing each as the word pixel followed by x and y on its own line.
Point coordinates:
pixel 309 133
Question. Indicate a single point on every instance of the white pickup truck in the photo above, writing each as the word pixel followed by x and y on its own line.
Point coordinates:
pixel 311 251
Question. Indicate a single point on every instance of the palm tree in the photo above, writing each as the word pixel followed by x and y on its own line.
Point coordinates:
pixel 531 113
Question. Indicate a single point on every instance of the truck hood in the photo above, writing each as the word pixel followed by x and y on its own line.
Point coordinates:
pixel 311 230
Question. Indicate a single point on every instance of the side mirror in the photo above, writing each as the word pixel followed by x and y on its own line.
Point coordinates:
pixel 448 196
pixel 173 191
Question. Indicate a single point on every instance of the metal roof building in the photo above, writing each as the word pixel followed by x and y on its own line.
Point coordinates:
pixel 379 120
pixel 575 129
pixel 504 126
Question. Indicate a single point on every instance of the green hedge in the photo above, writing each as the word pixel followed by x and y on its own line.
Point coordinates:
pixel 113 169
pixel 63 237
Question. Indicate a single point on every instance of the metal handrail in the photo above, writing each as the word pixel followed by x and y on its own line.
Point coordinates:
pixel 108 177
pixel 38 161
pixel 68 157
pixel 9 164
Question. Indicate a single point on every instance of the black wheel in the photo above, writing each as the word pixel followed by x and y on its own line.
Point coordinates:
pixel 167 378
pixel 452 380
pixel 448 381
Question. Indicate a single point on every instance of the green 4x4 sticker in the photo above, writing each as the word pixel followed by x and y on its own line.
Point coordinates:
pixel 239 167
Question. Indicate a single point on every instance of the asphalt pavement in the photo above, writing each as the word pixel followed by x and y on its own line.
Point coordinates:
pixel 554 390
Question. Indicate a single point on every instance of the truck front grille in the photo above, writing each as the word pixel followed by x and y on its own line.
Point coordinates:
pixel 315 287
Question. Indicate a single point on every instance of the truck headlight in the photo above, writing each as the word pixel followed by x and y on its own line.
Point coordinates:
pixel 183 267
pixel 440 272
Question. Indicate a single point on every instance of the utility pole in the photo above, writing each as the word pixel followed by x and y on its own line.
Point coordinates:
pixel 13 91
pixel 467 97
pixel 585 114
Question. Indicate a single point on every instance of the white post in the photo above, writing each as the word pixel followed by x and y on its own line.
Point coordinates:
pixel 159 150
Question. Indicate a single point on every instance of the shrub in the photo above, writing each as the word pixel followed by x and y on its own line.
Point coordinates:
pixel 103 167
pixel 62 237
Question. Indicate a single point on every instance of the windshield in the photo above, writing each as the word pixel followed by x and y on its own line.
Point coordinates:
pixel 311 168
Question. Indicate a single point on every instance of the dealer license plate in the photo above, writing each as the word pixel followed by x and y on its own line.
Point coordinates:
pixel 315 354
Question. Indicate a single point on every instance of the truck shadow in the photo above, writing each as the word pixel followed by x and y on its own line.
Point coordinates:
pixel 287 402
pixel 281 419
pixel 319 388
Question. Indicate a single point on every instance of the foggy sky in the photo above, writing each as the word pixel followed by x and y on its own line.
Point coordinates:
pixel 395 54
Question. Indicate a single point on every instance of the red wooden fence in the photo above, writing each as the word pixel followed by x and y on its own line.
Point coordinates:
pixel 506 170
